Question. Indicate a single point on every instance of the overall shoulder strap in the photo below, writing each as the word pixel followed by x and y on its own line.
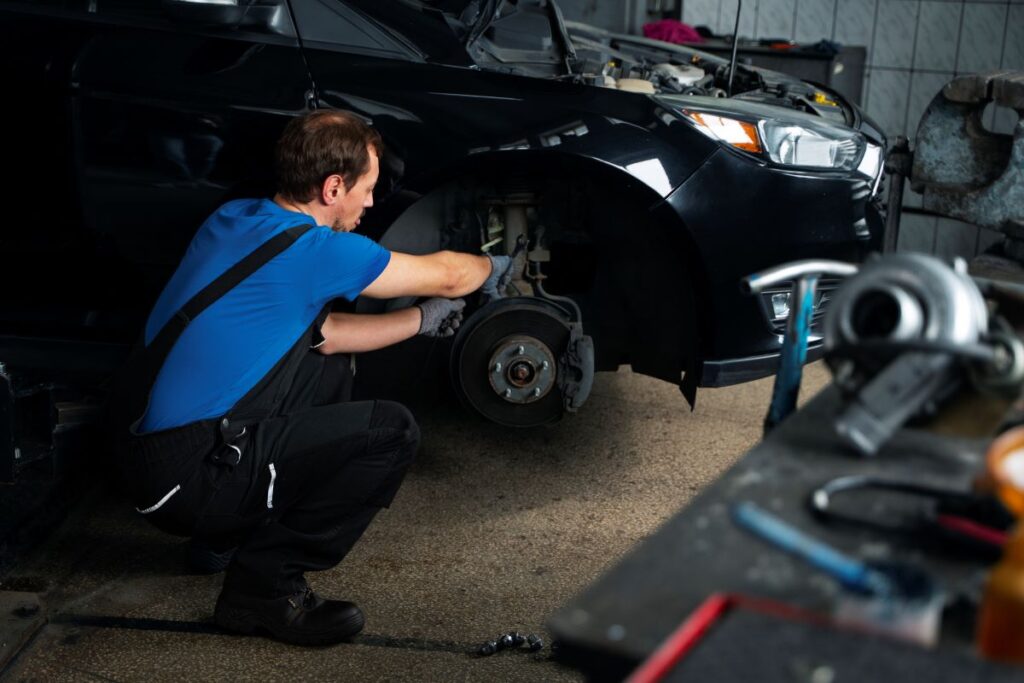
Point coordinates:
pixel 146 362
pixel 224 283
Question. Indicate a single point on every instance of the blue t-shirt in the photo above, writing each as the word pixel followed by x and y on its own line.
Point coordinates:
pixel 235 342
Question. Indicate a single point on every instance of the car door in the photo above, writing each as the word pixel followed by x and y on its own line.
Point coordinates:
pixel 175 112
pixel 40 238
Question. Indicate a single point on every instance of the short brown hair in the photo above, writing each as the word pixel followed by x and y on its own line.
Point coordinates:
pixel 319 144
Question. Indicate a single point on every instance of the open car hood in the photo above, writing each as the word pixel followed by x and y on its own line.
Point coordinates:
pixel 485 11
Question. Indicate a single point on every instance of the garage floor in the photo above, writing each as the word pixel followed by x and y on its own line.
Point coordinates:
pixel 492 531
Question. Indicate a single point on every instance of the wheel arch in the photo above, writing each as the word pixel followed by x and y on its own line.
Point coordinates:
pixel 632 218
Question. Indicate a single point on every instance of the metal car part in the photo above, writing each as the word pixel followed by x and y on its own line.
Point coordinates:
pixel 893 338
pixel 508 225
pixel 522 369
pixel 904 296
pixel 1006 373
pixel 679 76
pixel 963 170
pixel 498 362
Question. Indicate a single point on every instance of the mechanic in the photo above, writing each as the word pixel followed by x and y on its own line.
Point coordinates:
pixel 241 430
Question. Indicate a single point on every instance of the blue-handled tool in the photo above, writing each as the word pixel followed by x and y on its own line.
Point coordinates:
pixel 804 276
pixel 850 572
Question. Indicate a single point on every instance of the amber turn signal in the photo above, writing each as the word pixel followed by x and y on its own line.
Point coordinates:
pixel 740 134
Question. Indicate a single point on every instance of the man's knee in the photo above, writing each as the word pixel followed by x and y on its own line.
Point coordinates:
pixel 396 429
pixel 394 432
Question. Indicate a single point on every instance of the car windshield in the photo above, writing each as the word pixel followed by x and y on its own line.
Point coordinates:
pixel 426 24
pixel 442 30
pixel 468 17
pixel 455 7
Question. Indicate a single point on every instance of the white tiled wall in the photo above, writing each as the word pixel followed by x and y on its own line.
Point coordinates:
pixel 913 48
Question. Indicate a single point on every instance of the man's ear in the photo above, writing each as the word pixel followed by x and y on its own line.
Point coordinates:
pixel 333 189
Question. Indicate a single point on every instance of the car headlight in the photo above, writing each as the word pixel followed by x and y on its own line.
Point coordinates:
pixel 798 145
pixel 740 134
pixel 795 143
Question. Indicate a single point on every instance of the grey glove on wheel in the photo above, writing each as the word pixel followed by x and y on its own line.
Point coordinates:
pixel 440 316
pixel 501 274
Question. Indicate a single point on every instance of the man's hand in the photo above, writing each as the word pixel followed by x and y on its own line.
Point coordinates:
pixel 494 286
pixel 441 317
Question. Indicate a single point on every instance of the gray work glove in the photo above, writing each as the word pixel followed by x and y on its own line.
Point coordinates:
pixel 441 317
pixel 496 283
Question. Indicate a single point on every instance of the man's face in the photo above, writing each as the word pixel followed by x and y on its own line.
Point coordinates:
pixel 353 202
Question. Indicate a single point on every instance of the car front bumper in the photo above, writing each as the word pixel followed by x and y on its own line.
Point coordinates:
pixel 729 371
pixel 744 218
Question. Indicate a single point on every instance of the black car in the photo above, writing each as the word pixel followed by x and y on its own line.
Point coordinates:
pixel 635 180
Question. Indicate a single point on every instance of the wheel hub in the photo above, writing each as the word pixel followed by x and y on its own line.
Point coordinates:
pixel 521 369
pixel 505 361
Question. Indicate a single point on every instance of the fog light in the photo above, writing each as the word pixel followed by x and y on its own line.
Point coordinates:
pixel 780 305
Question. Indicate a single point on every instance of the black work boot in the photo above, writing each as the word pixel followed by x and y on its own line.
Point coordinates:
pixel 300 619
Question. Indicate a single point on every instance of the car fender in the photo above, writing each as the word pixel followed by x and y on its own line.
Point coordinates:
pixel 650 314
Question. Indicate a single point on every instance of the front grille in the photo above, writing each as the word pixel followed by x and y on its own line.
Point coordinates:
pixel 823 295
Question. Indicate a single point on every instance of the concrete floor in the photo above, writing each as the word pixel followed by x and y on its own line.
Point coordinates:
pixel 491 532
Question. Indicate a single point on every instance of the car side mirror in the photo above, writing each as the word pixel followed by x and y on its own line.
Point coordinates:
pixel 259 14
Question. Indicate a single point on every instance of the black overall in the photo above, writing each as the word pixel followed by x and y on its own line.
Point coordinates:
pixel 292 474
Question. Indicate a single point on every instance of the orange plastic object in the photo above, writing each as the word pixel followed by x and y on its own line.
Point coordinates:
pixel 1005 460
pixel 1000 634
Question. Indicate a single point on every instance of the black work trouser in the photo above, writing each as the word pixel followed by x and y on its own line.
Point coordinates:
pixel 308 482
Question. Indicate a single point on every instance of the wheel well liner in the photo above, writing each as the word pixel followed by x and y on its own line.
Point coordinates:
pixel 634 231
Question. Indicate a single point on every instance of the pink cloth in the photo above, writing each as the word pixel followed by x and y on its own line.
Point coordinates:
pixel 672 31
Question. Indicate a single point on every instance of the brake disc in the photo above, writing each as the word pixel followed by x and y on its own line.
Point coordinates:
pixel 505 361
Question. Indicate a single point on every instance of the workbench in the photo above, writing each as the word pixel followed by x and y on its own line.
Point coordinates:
pixel 618 621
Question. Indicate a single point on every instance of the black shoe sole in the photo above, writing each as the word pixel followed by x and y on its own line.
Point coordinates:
pixel 249 622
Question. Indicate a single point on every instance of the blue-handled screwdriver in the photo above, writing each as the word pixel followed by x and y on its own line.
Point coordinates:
pixel 850 572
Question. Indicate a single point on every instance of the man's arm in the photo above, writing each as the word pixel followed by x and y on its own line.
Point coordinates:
pixel 449 274
pixel 356 332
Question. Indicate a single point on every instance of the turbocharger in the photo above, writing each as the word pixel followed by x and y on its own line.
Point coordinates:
pixel 903 334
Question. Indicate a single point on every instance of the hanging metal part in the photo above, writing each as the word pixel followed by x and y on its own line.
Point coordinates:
pixel 966 172
pixel 793 355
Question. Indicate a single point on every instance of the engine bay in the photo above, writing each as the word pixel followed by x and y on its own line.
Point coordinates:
pixel 531 38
